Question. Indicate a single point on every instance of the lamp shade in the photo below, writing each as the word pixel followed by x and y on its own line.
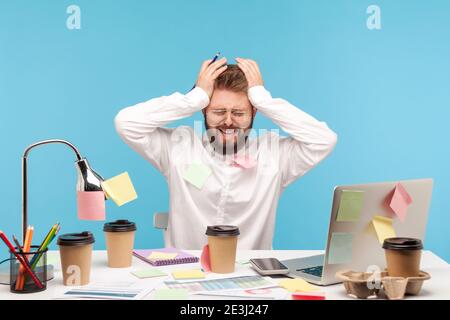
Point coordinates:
pixel 88 179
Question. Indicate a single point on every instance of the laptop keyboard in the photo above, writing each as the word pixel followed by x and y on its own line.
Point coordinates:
pixel 315 271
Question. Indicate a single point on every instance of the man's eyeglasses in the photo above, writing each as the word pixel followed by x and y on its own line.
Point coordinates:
pixel 221 114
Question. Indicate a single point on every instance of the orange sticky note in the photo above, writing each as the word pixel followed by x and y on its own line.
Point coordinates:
pixel 294 285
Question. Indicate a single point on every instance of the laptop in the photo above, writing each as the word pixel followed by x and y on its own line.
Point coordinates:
pixel 366 250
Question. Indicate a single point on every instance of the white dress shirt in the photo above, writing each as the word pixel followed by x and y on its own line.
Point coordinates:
pixel 231 195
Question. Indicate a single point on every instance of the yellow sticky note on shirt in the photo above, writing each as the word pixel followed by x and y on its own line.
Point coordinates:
pixel 120 189
pixel 161 255
pixel 383 227
pixel 188 274
pixel 294 285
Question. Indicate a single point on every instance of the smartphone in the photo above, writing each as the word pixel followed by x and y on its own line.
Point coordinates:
pixel 269 266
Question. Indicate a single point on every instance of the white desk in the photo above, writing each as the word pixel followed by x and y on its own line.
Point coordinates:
pixel 438 287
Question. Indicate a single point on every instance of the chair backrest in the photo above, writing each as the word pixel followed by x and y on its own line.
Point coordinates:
pixel 161 220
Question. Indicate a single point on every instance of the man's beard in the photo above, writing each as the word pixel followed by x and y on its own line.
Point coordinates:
pixel 215 138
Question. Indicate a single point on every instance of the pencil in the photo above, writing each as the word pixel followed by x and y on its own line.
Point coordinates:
pixel 20 282
pixel 48 239
pixel 21 260
pixel 19 247
pixel 42 246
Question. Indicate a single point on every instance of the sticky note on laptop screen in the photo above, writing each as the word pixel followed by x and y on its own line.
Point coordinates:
pixel 400 201
pixel 383 228
pixel 120 189
pixel 350 205
pixel 340 249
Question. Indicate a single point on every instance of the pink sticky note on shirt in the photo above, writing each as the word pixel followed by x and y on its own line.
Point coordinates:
pixel 91 205
pixel 245 162
pixel 205 259
pixel 400 202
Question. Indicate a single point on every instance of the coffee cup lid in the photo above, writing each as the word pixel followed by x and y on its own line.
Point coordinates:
pixel 222 231
pixel 119 226
pixel 402 244
pixel 76 239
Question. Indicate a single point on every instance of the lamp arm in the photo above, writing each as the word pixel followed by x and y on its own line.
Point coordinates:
pixel 28 149
pixel 24 177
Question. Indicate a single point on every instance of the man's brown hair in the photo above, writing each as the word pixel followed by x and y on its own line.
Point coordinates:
pixel 233 79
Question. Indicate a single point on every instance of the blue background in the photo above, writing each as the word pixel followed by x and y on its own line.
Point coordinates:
pixel 386 93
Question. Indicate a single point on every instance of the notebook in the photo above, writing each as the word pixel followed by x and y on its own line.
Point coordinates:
pixel 182 257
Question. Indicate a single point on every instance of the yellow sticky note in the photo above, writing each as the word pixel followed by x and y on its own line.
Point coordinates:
pixel 161 255
pixel 188 274
pixel 383 227
pixel 294 285
pixel 120 189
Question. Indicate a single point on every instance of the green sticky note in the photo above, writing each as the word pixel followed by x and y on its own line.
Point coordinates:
pixel 148 273
pixel 53 258
pixel 350 205
pixel 340 249
pixel 171 294
pixel 197 174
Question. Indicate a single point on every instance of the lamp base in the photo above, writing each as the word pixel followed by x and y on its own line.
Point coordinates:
pixel 4 273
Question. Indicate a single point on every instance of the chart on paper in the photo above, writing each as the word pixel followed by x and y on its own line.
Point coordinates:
pixel 244 282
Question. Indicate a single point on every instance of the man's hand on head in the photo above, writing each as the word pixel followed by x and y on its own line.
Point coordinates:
pixel 208 74
pixel 251 71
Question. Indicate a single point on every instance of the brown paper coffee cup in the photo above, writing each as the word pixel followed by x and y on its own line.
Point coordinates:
pixel 222 241
pixel 76 255
pixel 119 243
pixel 403 256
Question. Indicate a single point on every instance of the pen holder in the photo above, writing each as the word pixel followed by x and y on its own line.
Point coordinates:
pixel 20 279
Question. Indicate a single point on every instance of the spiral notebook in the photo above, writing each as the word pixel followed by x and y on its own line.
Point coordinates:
pixel 182 257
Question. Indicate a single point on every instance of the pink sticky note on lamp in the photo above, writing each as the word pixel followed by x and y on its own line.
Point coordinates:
pixel 205 260
pixel 245 162
pixel 400 201
pixel 91 205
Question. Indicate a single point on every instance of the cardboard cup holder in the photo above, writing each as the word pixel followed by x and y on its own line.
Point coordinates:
pixel 361 284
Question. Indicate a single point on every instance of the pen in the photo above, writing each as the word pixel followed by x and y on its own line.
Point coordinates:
pixel 21 260
pixel 48 239
pixel 212 61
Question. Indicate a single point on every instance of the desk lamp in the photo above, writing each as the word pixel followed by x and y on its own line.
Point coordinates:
pixel 88 179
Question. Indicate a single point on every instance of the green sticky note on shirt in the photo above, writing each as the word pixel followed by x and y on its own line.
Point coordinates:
pixel 340 249
pixel 171 294
pixel 350 205
pixel 197 174
pixel 148 273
